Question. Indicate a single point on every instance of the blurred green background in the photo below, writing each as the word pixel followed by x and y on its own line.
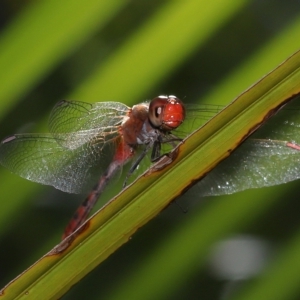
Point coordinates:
pixel 132 51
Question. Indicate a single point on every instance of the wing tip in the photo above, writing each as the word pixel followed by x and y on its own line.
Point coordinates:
pixel 8 139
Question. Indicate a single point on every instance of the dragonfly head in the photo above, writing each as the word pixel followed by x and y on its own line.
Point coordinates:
pixel 166 112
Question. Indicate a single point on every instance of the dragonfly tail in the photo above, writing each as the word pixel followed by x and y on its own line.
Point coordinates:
pixel 81 213
pixel 89 202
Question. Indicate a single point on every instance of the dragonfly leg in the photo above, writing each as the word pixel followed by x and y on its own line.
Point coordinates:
pixel 155 155
pixel 137 162
pixel 156 152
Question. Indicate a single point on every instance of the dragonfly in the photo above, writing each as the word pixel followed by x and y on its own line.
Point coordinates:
pixel 84 137
pixel 97 140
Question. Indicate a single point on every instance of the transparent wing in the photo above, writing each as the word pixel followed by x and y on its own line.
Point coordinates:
pixel 196 116
pixel 284 125
pixel 75 123
pixel 262 160
pixel 255 164
pixel 42 159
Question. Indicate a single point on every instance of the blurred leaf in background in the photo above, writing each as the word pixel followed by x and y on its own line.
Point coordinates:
pixel 132 51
